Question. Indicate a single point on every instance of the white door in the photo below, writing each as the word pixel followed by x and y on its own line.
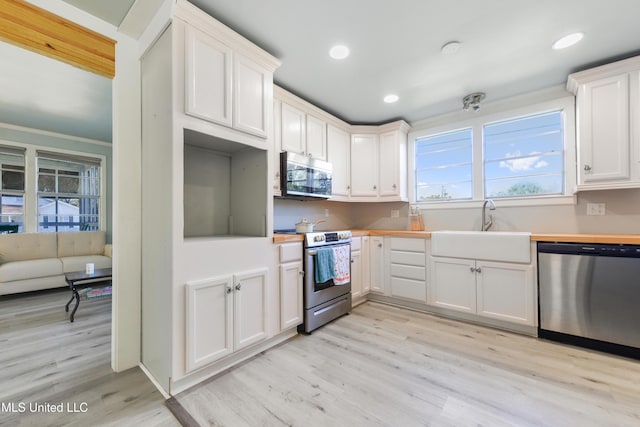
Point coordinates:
pixel 293 130
pixel 291 276
pixel 389 164
pixel 208 78
pixel 316 138
pixel 453 284
pixel 506 291
pixel 209 321
pixel 376 260
pixel 338 153
pixel 251 96
pixel 250 308
pixel 364 165
pixel 603 109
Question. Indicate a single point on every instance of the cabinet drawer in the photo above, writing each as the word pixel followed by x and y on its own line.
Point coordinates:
pixel 408 271
pixel 410 289
pixel 290 252
pixel 408 244
pixel 356 243
pixel 409 258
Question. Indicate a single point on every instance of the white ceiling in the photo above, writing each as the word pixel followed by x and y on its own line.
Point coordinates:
pixel 395 48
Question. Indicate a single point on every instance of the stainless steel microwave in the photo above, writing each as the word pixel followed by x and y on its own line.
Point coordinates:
pixel 304 177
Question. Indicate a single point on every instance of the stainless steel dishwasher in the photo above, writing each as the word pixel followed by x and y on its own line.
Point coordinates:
pixel 589 295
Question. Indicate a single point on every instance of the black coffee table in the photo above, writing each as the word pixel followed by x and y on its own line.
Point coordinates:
pixel 100 277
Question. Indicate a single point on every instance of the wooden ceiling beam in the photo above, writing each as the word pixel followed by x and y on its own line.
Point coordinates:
pixel 40 31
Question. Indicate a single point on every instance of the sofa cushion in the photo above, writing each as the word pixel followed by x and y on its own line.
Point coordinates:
pixel 27 246
pixel 81 243
pixel 79 263
pixel 21 270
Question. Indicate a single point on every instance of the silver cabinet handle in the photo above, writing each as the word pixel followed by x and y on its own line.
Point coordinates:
pixel 587 168
pixel 472 269
pixel 310 155
pixel 301 273
pixel 375 187
pixel 379 245
pixel 238 287
pixel 478 270
pixel 229 289
pixel 394 186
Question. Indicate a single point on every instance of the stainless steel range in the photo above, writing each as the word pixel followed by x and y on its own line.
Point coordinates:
pixel 326 300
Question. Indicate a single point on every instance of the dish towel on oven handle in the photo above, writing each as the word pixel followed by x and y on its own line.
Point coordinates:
pixel 342 264
pixel 324 266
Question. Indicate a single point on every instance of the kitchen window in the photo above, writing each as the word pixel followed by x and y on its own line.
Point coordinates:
pixel 444 166
pixel 522 156
pixel 68 192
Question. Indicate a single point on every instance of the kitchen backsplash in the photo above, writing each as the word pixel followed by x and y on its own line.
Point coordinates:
pixel 622 215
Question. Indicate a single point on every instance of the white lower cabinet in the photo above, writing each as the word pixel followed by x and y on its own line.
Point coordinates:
pixel 360 275
pixel 376 266
pixel 224 314
pixel 499 290
pixel 291 278
pixel 407 269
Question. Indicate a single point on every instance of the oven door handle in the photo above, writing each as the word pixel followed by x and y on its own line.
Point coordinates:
pixel 312 252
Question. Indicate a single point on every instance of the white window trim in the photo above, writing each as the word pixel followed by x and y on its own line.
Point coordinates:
pixel 31 182
pixel 566 104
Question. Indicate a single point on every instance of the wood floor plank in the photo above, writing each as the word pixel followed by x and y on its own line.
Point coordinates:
pixel 387 366
pixel 47 359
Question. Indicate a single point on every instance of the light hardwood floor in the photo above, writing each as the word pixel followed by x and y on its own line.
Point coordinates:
pixel 46 359
pixel 386 366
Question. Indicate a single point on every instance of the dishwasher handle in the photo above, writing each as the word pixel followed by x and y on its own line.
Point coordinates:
pixel 612 250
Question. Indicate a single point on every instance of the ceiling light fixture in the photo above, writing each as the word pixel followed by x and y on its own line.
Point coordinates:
pixel 339 52
pixel 451 48
pixel 568 40
pixel 473 101
pixel 391 98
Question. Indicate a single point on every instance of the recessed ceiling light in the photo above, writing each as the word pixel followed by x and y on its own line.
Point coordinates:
pixel 568 40
pixel 391 98
pixel 339 52
pixel 451 48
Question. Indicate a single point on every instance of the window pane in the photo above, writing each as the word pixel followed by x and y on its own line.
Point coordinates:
pixel 444 166
pixel 68 184
pixel 524 156
pixel 12 214
pixel 12 180
pixel 46 183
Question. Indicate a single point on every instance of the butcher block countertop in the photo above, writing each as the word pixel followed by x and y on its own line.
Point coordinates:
pixel 629 239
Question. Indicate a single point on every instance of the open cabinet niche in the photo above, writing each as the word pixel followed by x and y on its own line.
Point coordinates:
pixel 224 187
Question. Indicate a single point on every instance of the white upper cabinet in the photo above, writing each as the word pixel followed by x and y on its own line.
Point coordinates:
pixel 293 130
pixel 208 78
pixel 303 133
pixel 608 120
pixel 316 138
pixel 364 165
pixel 338 154
pixel 393 164
pixel 252 95
pixel 225 83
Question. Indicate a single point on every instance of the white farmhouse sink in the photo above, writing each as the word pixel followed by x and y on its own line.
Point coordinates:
pixel 486 245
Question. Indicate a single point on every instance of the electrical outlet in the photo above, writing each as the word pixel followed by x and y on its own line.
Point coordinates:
pixel 395 213
pixel 326 213
pixel 596 208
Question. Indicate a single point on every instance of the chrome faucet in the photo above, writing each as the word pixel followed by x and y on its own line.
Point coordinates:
pixel 492 207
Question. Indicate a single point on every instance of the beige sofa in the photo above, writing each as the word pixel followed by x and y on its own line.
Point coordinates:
pixel 34 261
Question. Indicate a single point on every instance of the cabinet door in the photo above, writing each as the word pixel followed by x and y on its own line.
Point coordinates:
pixel 209 321
pixel 277 123
pixel 364 165
pixel 316 138
pixel 377 264
pixel 506 291
pixel 207 78
pixel 452 284
pixel 251 96
pixel 293 130
pixel 290 295
pixel 250 308
pixel 603 109
pixel 356 275
pixel 366 263
pixel 389 164
pixel 338 154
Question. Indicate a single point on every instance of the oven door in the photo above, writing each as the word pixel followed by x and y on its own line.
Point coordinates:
pixel 319 293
